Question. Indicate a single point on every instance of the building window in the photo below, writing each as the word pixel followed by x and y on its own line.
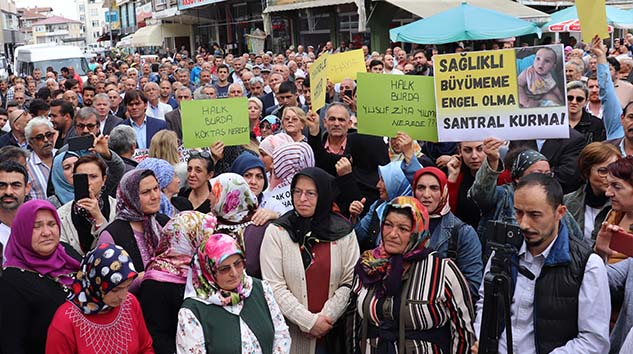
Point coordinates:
pixel 94 12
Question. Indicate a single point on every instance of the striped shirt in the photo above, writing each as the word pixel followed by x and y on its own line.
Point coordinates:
pixel 38 176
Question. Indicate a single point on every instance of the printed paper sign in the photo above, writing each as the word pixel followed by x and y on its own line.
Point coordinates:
pixel 345 65
pixel 511 94
pixel 206 121
pixel 593 18
pixel 388 104
pixel 318 82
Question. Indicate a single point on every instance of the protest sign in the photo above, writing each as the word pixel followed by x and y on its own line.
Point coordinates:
pixel 388 104
pixel 206 121
pixel 345 65
pixel 593 18
pixel 512 94
pixel 318 82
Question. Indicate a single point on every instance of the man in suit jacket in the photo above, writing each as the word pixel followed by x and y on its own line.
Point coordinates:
pixel 173 118
pixel 562 155
pixel 145 127
pixel 287 97
pixel 107 121
pixel 268 100
pixel 116 105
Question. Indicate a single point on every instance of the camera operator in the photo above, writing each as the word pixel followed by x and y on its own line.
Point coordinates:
pixel 566 309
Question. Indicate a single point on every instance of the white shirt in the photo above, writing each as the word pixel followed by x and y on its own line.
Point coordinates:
pixel 5 231
pixel 158 111
pixel 594 308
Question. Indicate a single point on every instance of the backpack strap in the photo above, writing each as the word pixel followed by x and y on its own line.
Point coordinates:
pixel 453 240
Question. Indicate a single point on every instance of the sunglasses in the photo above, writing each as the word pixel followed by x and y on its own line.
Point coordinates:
pixel 82 126
pixel 579 99
pixel 45 136
pixel 199 154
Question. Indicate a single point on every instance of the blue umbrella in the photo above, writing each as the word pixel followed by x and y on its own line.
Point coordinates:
pixel 615 17
pixel 464 22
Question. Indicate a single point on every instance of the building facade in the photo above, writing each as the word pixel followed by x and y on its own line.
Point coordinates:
pixel 92 15
pixel 57 29
pixel 10 36
pixel 28 16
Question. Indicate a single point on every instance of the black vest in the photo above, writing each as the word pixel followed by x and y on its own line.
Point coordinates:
pixel 123 235
pixel 556 299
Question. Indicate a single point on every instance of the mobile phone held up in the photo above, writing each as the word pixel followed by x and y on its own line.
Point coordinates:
pixel 80 183
pixel 80 143
pixel 622 242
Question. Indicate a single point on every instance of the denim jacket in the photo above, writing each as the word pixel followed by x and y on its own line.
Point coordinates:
pixel 468 260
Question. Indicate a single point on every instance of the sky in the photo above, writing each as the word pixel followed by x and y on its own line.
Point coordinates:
pixel 65 8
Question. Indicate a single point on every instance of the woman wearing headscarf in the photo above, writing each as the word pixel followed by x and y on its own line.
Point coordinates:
pixel 230 312
pixel 83 220
pixel 307 248
pixel 163 286
pixel 254 172
pixel 392 183
pixel 287 161
pixel 100 316
pixel 450 236
pixel 268 126
pixel 268 146
pixel 437 314
pixel 168 181
pixel 37 277
pixel 62 178
pixel 135 227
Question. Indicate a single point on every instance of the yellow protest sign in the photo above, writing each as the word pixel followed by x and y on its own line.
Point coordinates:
pixel 593 18
pixel 512 94
pixel 318 82
pixel 345 65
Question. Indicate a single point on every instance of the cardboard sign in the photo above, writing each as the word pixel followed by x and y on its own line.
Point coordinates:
pixel 593 18
pixel 511 94
pixel 206 121
pixel 388 104
pixel 318 82
pixel 345 65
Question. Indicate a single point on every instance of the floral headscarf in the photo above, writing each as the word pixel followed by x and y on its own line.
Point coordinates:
pixel 212 252
pixel 384 270
pixel 20 254
pixel 102 269
pixel 128 207
pixel 523 161
pixel 233 201
pixel 178 243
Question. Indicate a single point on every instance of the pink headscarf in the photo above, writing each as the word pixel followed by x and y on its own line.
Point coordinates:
pixel 20 253
pixel 272 142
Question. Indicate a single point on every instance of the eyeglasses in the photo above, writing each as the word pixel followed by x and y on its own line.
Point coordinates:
pixel 224 270
pixel 311 195
pixel 602 171
pixel 183 97
pixel 579 99
pixel 45 136
pixel 82 126
pixel 199 154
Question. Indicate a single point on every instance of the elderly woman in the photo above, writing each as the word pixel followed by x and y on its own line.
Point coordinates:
pixel 100 309
pixel 135 227
pixel 83 220
pixel 436 316
pixel 305 249
pixel 293 121
pixel 36 279
pixel 589 204
pixel 163 286
pixel 217 319
pixel 287 161
pixel 255 109
pixel 168 181
pixel 268 146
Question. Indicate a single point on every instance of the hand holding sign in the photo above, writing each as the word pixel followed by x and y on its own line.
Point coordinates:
pixel 217 151
pixel 599 50
pixel 313 122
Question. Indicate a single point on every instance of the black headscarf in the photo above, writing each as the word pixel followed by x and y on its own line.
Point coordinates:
pixel 324 225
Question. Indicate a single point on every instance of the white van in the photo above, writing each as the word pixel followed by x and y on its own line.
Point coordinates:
pixel 41 56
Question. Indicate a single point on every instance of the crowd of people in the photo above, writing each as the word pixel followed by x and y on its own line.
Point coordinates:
pixel 311 238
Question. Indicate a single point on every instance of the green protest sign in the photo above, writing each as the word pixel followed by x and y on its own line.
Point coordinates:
pixel 387 104
pixel 206 121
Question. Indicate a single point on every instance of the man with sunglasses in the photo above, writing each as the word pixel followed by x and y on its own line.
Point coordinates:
pixel 17 121
pixel 590 126
pixel 41 136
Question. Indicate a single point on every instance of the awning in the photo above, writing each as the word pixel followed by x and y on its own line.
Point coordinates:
pixel 154 35
pixel 427 8
pixel 297 4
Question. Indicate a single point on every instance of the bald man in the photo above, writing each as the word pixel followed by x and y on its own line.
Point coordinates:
pixel 18 120
pixel 155 108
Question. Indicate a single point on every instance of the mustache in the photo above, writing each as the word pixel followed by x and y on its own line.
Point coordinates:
pixel 8 196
